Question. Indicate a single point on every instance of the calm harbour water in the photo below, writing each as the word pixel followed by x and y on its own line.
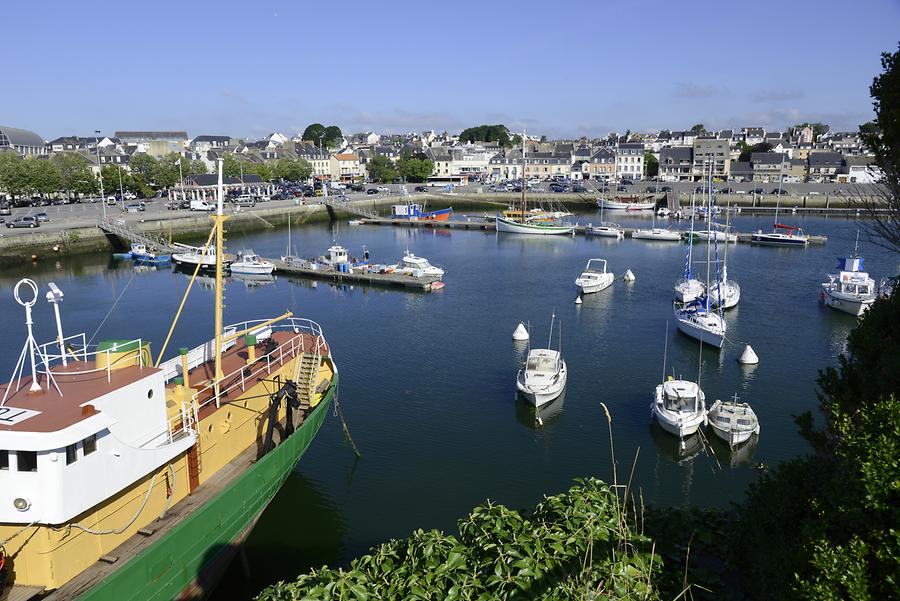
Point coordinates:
pixel 428 380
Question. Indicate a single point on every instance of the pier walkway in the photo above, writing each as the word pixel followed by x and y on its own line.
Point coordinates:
pixel 356 277
pixel 119 229
pixel 354 207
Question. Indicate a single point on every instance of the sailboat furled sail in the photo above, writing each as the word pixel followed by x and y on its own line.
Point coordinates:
pixel 519 224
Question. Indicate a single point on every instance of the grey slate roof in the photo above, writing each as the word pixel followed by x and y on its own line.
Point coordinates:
pixel 741 168
pixel 20 137
pixel 766 158
pixel 825 159
pixel 152 135
pixel 677 154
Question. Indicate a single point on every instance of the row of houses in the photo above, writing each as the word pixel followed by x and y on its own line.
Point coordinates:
pixel 682 155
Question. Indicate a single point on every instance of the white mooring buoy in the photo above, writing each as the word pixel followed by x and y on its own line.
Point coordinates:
pixel 629 275
pixel 748 357
pixel 520 332
pixel 578 300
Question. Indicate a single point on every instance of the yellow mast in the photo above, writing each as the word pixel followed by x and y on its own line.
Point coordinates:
pixel 218 220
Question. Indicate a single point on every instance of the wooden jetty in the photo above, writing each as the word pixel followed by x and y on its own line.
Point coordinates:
pixel 358 277
pixel 490 226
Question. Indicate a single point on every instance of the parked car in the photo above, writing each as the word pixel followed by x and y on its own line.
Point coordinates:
pixel 23 221
pixel 421 188
pixel 780 191
pixel 42 217
pixel 384 189
pixel 627 182
pixel 757 191
pixel 557 187
pixel 666 189
pixel 342 198
pixel 5 209
pixel 372 191
pixel 357 187
pixel 579 188
pixel 201 205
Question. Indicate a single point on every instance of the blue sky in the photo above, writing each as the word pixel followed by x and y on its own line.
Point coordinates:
pixel 555 68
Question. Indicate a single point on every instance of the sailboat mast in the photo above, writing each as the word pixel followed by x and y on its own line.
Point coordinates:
pixel 708 220
pixel 523 177
pixel 218 220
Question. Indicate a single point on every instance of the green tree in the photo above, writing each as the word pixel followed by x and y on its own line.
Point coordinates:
pixel 291 170
pixel 231 166
pixel 747 150
pixel 333 136
pixel 883 140
pixel 651 165
pixel 516 141
pixel 111 175
pixel 414 168
pixel 263 170
pixel 314 133
pixel 13 174
pixel 43 175
pixel 144 164
pixel 698 129
pixel 486 133
pixel 196 167
pixel 543 139
pixel 165 173
pixel 868 128
pixel 381 169
pixel 74 173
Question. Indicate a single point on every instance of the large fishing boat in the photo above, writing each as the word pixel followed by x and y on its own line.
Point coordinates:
pixel 123 478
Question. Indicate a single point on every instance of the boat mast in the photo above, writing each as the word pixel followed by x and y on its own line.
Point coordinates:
pixel 665 351
pixel 708 219
pixel 523 177
pixel 218 219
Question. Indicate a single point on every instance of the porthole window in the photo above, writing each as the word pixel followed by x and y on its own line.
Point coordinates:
pixel 150 394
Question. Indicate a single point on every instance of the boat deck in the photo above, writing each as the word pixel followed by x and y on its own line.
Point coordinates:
pixel 80 383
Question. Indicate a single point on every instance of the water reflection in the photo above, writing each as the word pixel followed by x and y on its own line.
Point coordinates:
pixel 536 418
pixel 673 449
pixel 317 537
pixel 742 455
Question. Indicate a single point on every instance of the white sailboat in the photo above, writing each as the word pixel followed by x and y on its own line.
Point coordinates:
pixel 595 278
pixel 605 229
pixel 689 288
pixel 288 257
pixel 543 378
pixel 698 318
pixel 728 292
pixel 656 233
pixel 520 224
pixel 781 235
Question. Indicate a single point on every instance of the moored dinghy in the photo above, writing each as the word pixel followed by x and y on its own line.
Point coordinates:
pixel 732 421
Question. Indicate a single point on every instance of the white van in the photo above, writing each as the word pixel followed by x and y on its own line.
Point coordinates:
pixel 201 205
pixel 245 200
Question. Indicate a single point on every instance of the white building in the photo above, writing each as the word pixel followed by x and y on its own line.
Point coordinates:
pixel 630 161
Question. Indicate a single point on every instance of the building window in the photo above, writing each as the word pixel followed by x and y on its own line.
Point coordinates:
pixel 4 460
pixel 71 454
pixel 26 461
pixel 89 444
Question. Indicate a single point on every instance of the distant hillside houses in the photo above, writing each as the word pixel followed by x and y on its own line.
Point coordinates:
pixel 797 154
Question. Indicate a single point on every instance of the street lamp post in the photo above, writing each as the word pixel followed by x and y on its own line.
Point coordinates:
pixel 181 180
pixel 100 171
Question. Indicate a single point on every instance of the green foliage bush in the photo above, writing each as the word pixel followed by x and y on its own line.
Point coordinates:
pixel 572 545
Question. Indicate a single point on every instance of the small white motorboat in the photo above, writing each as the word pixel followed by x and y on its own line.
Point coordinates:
pixel 732 421
pixel 248 262
pixel 543 377
pixel 354 222
pixel 663 212
pixel 417 266
pixel 657 233
pixel 190 256
pixel 782 235
pixel 679 407
pixel 852 290
pixel 595 278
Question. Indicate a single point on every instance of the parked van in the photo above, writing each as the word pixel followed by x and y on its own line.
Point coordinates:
pixel 201 205
pixel 245 200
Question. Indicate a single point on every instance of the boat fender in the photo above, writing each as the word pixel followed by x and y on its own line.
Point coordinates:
pixel 629 276
pixel 520 332
pixel 578 300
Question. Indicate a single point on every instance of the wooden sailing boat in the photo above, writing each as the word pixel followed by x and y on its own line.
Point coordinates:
pixel 518 223
pixel 121 478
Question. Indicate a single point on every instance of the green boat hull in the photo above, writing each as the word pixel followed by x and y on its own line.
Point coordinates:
pixel 187 560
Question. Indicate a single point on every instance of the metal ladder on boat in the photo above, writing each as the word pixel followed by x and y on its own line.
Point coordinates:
pixel 307 376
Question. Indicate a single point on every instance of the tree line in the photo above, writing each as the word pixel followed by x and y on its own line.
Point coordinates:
pixel 69 174
pixel 409 167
